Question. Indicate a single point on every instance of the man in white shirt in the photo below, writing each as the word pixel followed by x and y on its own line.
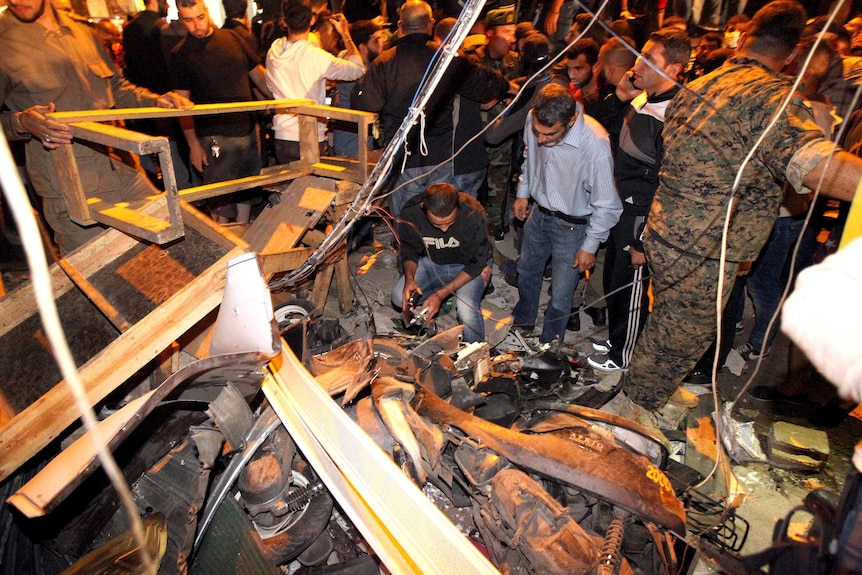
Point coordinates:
pixel 296 68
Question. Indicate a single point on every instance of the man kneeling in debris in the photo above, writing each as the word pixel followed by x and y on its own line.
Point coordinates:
pixel 445 251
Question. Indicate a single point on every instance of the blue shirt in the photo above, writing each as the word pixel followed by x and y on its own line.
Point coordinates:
pixel 575 176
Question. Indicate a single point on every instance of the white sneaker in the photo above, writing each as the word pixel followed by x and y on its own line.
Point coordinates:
pixel 603 362
pixel 601 345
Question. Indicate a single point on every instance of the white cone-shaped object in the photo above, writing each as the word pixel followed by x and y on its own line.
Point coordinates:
pixel 245 320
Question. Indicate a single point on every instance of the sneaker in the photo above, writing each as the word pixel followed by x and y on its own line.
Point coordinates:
pixel 525 329
pixel 603 362
pixel 601 345
pixel 750 352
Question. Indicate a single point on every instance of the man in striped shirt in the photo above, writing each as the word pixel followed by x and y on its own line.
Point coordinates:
pixel 568 173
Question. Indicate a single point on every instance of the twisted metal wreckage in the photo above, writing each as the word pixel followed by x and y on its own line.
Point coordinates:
pixel 249 480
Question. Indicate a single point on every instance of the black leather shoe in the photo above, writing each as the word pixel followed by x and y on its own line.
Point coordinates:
pixel 574 323
pixel 599 315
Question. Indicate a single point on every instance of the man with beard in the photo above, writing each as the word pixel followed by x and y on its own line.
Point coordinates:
pixel 53 63
pixel 581 64
pixel 213 65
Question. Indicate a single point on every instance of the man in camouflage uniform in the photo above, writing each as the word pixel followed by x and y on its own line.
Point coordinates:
pixel 708 131
pixel 497 53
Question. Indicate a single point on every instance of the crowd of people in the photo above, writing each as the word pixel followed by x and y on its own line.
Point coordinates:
pixel 616 146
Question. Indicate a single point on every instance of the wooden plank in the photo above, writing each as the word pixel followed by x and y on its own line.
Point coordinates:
pixel 322 281
pixel 45 419
pixel 108 310
pixel 120 138
pixel 342 284
pixel 155 112
pixel 284 261
pixel 135 223
pixel 220 235
pixel 333 113
pixel 66 165
pixel 309 147
pixel 239 184
pixel 280 228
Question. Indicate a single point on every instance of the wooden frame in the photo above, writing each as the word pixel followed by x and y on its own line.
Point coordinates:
pixel 129 217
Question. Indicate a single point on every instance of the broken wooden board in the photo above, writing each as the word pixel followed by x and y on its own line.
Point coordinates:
pixel 279 229
pixel 164 292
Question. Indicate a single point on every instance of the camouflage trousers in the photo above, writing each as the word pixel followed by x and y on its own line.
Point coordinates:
pixel 681 325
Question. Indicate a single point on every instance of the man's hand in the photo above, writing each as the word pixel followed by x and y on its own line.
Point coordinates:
pixel 174 100
pixel 638 258
pixel 584 260
pixel 339 22
pixel 520 207
pixel 550 24
pixel 33 121
pixel 198 156
pixel 625 89
pixel 433 304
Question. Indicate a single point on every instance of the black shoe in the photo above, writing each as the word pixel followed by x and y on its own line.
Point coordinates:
pixel 500 233
pixel 698 378
pixel 599 315
pixel 574 323
pixel 767 393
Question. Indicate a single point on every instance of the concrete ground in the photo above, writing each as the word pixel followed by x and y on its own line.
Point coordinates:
pixel 770 492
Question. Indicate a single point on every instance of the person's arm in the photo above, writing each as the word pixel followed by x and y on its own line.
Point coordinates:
pixel 197 155
pixel 552 17
pixel 32 123
pixel 339 22
pixel 843 172
pixel 258 78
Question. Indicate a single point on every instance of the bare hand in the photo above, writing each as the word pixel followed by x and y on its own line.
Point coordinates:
pixel 198 157
pixel 53 134
pixel 174 100
pixel 584 260
pixel 638 258
pixel 339 22
pixel 432 304
pixel 520 207
pixel 550 24
pixel 625 89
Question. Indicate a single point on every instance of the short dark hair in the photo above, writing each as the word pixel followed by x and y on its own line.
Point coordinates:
pixel 554 105
pixel 297 15
pixel 188 3
pixel 535 53
pixel 361 31
pixel 586 46
pixel 677 48
pixel 596 32
pixel 440 199
pixel 776 28
pixel 235 8
pixel 443 27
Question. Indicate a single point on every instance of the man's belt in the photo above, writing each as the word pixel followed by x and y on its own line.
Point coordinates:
pixel 565 217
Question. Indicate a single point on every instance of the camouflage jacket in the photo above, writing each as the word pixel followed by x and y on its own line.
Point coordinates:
pixel 709 129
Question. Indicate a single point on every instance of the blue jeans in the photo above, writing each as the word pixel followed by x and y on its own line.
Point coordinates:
pixel 425 176
pixel 470 183
pixel 430 277
pixel 769 275
pixel 548 236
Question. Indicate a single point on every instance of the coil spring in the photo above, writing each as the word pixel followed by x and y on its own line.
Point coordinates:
pixel 299 498
pixel 609 556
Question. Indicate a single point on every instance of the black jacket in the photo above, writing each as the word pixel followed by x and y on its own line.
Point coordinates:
pixel 391 82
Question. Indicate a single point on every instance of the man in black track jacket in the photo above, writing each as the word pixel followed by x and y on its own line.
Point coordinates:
pixel 636 168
